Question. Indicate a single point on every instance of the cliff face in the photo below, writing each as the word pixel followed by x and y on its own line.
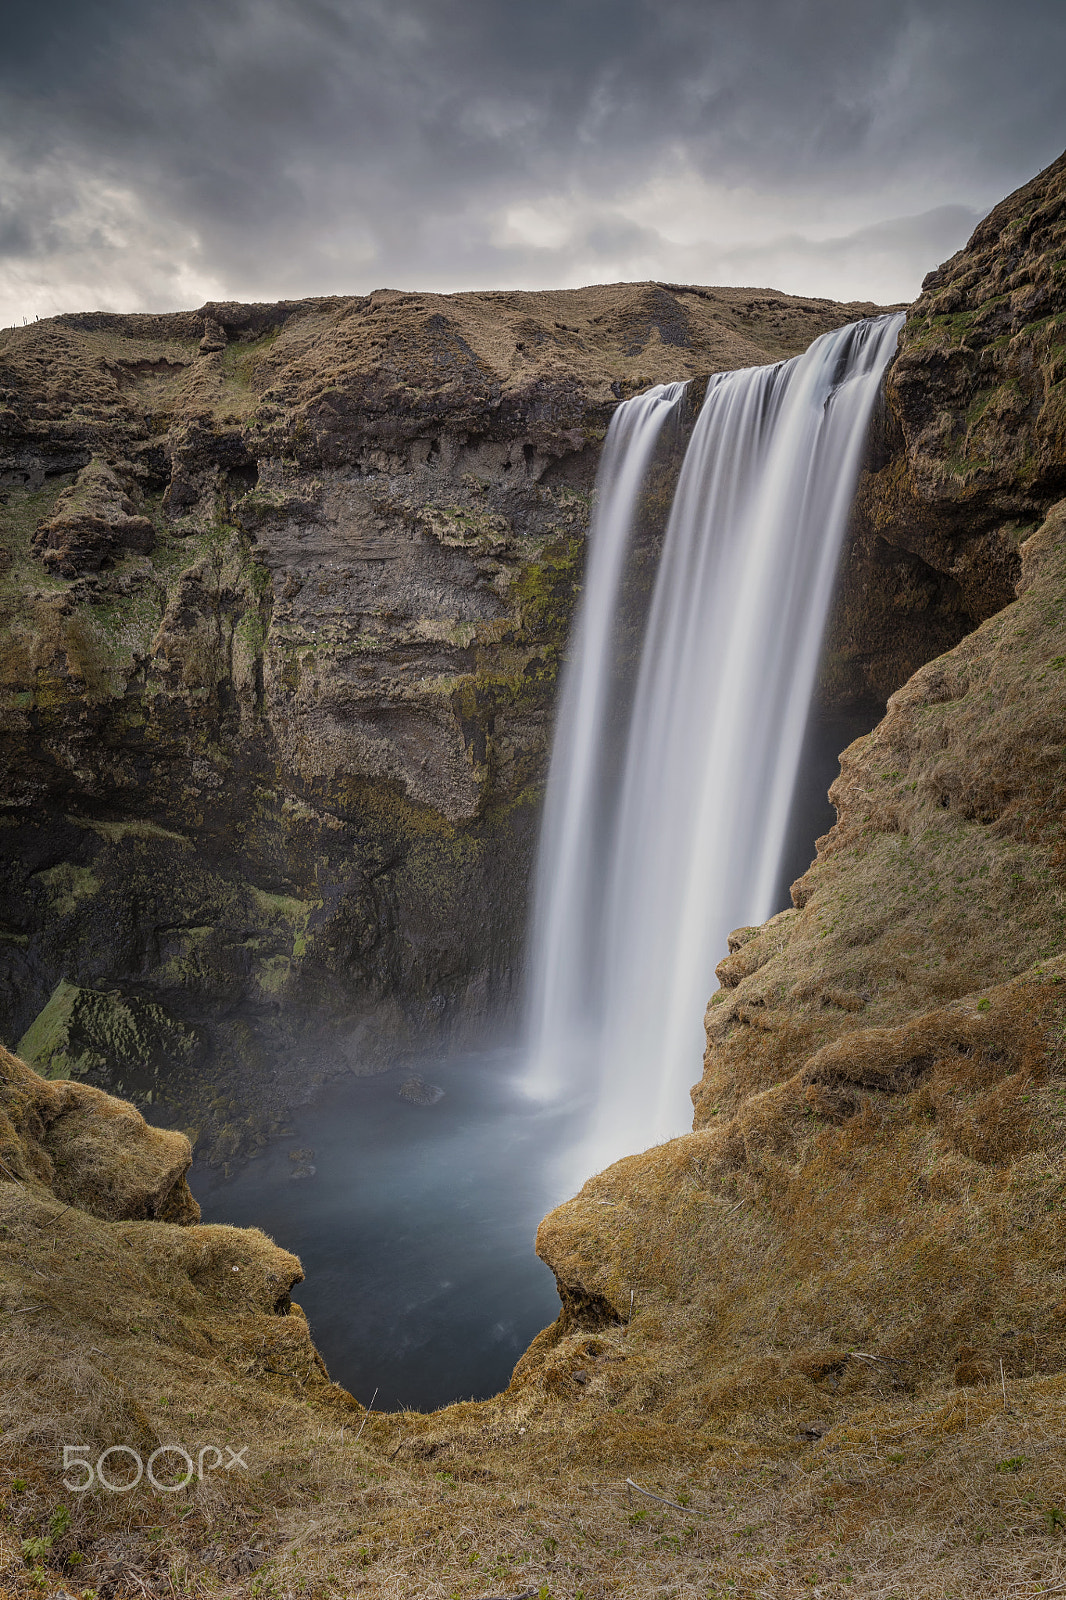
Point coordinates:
pixel 282 595
pixel 971 451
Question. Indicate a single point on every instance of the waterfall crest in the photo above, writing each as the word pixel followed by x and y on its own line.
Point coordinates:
pixel 642 873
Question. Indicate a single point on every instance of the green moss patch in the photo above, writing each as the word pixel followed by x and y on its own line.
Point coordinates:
pixel 88 1031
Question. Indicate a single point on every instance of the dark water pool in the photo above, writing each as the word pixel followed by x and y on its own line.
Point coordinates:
pixel 415 1228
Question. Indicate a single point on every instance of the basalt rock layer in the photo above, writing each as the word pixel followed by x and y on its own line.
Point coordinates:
pixel 283 591
pixel 970 453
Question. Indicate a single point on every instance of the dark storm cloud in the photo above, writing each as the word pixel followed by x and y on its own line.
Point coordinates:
pixel 149 147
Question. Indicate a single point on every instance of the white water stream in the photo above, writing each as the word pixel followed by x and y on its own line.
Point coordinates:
pixel 642 874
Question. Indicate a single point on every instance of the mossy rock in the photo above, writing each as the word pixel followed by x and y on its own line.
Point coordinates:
pixel 90 1032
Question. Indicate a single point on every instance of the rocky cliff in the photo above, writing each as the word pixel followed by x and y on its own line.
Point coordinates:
pixel 971 451
pixel 826 1330
pixel 283 591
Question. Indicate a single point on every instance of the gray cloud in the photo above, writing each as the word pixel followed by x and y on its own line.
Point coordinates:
pixel 879 256
pixel 159 148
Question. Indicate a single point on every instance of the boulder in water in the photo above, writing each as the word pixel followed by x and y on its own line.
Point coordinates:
pixel 420 1093
pixel 303 1165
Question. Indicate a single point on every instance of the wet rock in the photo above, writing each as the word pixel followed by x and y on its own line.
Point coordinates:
pixel 419 1092
pixel 125 1041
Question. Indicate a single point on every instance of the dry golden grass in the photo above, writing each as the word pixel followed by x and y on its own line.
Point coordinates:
pixel 918 1214
pixel 90 1149
pixel 846 1353
pixel 399 343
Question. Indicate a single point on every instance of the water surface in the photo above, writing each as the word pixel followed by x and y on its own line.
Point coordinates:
pixel 415 1228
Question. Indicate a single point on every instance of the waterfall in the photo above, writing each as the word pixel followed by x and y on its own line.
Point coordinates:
pixel 572 864
pixel 645 868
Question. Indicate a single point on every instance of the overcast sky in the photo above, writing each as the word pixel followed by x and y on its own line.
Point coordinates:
pixel 158 153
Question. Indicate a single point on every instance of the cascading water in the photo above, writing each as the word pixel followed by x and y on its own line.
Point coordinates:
pixel 571 851
pixel 642 875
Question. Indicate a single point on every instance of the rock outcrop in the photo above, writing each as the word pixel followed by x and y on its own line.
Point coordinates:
pixel 94 522
pixel 972 450
pixel 90 1150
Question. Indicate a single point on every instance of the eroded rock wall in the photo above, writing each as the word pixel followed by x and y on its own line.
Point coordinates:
pixel 968 454
pixel 283 593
